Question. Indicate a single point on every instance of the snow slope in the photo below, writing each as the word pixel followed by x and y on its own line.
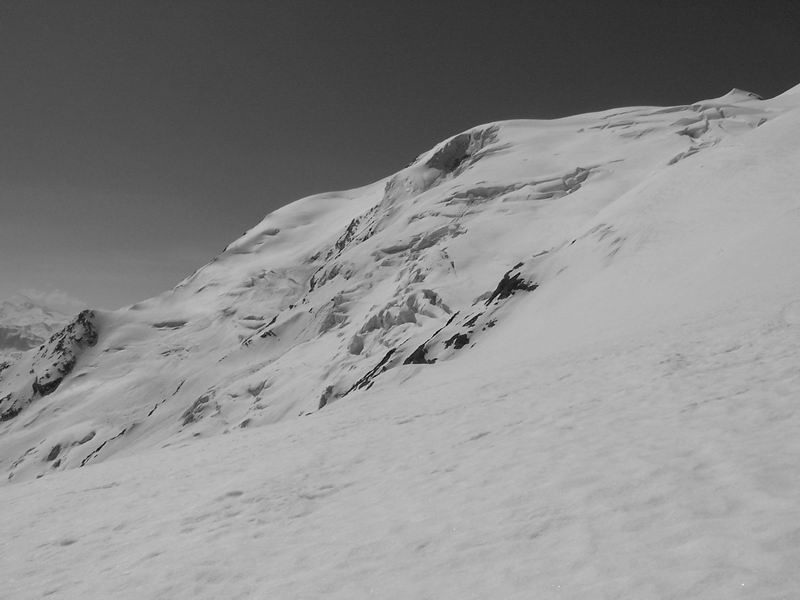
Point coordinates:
pixel 555 359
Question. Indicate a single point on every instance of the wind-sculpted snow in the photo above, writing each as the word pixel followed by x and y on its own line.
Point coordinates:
pixel 334 293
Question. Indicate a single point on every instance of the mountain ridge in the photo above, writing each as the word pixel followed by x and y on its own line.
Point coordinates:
pixel 328 294
pixel 564 370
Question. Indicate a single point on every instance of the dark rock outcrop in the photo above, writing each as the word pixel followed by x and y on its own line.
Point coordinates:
pixel 419 357
pixel 52 362
pixel 508 285
pixel 62 350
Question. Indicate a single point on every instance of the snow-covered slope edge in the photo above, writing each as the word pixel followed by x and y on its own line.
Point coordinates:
pixel 335 293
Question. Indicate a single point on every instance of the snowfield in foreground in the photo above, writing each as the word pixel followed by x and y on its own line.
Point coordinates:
pixel 663 467
pixel 546 360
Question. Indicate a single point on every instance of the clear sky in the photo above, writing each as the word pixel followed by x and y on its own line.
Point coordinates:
pixel 138 138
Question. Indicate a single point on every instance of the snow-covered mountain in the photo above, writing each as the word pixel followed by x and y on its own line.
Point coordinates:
pixel 549 359
pixel 25 323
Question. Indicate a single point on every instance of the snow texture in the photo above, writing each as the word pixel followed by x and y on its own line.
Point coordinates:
pixel 548 359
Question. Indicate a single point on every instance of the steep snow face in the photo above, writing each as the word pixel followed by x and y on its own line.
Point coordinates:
pixel 486 238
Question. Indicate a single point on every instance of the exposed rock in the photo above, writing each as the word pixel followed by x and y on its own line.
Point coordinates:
pixel 48 387
pixel 508 285
pixel 176 324
pixel 367 380
pixel 419 357
pixel 196 410
pixel 62 350
pixel 54 360
pixel 326 397
pixel 458 341
pixel 348 235
pixel 10 412
pixel 54 452
pixel 97 450
pixel 471 322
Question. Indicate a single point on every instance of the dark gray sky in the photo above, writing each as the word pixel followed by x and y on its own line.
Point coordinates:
pixel 138 138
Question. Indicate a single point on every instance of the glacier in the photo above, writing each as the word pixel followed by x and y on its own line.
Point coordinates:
pixel 551 359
